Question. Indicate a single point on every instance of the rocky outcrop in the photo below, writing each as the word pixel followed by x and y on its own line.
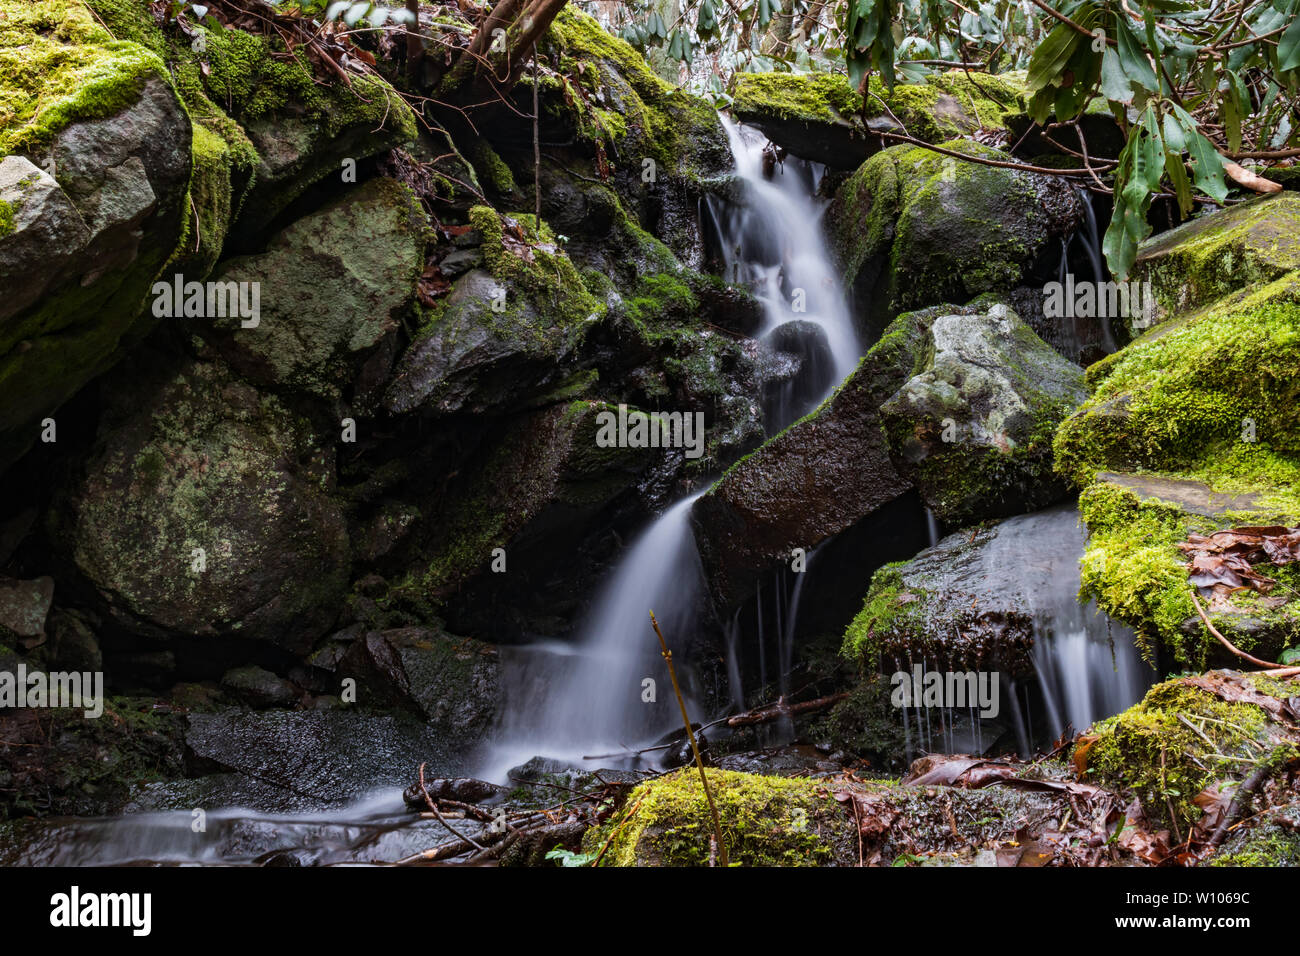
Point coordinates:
pixel 972 428
pixel 1192 428
pixel 913 228
pixel 205 510
pixel 819 477
pixel 819 116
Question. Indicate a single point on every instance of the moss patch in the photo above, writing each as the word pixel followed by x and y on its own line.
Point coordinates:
pixel 766 821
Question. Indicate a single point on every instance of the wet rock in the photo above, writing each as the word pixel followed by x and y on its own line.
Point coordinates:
pixel 819 477
pixel 205 511
pixel 972 428
pixel 275 760
pixel 333 284
pixel 912 228
pixel 450 681
pixel 259 687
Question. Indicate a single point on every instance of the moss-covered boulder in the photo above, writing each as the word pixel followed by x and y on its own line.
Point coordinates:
pixel 333 287
pixel 820 476
pixel 271 107
pixel 913 227
pixel 972 428
pixel 1244 246
pixel 93 191
pixel 450 681
pixel 766 821
pixel 205 510
pixel 1192 428
pixel 819 116
pixel 505 334
pixel 1191 742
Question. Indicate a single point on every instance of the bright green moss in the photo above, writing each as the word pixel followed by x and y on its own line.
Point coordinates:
pixel 1182 400
pixel 810 97
pixel 7 223
pixel 766 821
pixel 58 66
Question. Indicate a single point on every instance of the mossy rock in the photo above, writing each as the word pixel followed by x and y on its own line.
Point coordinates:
pixel 1192 427
pixel 80 247
pixel 1201 261
pixel 506 334
pixel 333 286
pixel 819 116
pixel 1183 738
pixel 206 511
pixel 913 227
pixel 766 821
pixel 270 106
pixel 972 428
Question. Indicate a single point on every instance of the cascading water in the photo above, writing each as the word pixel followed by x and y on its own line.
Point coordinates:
pixel 773 243
pixel 572 701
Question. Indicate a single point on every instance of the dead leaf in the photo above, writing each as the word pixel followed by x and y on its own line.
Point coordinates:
pixel 1250 180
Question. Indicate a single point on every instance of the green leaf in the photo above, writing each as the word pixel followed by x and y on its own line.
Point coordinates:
pixel 1133 57
pixel 1290 656
pixel 1209 168
pixel 1052 56
pixel 1177 173
pixel 1288 46
pixel 1114 81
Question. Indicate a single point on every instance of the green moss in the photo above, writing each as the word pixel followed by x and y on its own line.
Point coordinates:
pixel 766 821
pixel 1261 845
pixel 58 66
pixel 534 265
pixel 7 223
pixel 490 167
pixel 1180 400
pixel 889 607
pixel 947 105
pixel 1151 751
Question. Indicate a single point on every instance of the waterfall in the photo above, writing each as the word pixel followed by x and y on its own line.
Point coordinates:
pixel 572 701
pixel 773 243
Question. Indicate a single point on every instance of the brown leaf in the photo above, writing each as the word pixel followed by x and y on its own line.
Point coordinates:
pixel 1082 746
pixel 1250 180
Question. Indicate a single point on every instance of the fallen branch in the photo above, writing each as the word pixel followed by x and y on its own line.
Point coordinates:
pixel 1227 643
pixel 441 819
pixel 762 715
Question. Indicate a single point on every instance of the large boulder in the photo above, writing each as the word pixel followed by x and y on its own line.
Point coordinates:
pixel 205 510
pixel 819 116
pixel 817 478
pixel 1192 428
pixel 913 228
pixel 93 187
pixel 333 286
pixel 972 428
